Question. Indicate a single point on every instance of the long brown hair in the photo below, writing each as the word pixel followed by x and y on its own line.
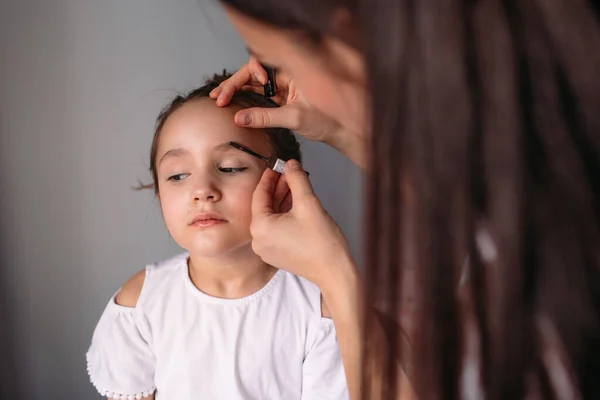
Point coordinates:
pixel 491 111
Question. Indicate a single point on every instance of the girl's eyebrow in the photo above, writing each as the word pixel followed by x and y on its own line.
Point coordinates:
pixel 226 147
pixel 173 153
pixel 247 150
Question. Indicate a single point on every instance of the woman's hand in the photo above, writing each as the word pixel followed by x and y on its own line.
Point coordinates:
pixel 297 234
pixel 294 113
pixel 294 232
pixel 291 230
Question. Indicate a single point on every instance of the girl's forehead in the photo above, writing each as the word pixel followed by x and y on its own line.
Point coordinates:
pixel 201 124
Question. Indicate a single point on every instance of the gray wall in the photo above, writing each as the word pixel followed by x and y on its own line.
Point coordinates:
pixel 80 85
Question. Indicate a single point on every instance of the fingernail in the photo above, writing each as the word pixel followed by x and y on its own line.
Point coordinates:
pixel 260 78
pixel 294 164
pixel 244 119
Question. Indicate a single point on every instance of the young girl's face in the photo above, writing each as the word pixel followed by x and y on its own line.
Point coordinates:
pixel 205 186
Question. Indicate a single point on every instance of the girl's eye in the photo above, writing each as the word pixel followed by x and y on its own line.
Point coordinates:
pixel 178 177
pixel 232 170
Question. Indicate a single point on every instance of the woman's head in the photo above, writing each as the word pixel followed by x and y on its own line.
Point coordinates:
pixel 205 186
pixel 490 108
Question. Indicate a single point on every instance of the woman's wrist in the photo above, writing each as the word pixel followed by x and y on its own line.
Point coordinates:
pixel 342 286
pixel 350 144
pixel 343 294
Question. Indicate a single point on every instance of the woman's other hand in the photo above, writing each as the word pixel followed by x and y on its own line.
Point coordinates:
pixel 294 113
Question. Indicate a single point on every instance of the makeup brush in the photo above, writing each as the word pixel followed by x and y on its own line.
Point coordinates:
pixel 276 164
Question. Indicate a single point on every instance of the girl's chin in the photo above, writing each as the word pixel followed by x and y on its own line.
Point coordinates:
pixel 218 249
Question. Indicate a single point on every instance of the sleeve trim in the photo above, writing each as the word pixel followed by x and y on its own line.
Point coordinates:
pixel 116 395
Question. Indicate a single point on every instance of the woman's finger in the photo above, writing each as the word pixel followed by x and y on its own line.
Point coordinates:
pixel 258 117
pixel 282 79
pixel 298 180
pixel 257 70
pixel 242 77
pixel 262 199
pixel 251 77
pixel 227 93
pixel 281 190
pixel 215 92
pixel 286 204
pixel 255 89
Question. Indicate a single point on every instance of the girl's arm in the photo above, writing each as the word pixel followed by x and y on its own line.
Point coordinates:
pixel 119 357
pixel 128 297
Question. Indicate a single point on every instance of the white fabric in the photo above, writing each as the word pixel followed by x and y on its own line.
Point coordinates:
pixel 184 344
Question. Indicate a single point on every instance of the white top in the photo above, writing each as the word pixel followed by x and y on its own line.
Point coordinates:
pixel 185 344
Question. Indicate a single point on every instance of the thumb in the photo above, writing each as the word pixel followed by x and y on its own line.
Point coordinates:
pixel 298 180
pixel 258 117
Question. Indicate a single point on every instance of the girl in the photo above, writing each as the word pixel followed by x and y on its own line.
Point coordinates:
pixel 216 322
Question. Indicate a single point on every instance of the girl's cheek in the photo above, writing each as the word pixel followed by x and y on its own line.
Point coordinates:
pixel 247 185
pixel 242 198
pixel 244 195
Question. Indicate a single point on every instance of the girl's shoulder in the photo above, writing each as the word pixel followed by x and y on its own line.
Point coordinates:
pixel 153 277
pixel 304 295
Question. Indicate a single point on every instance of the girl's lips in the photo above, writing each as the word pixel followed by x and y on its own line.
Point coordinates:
pixel 205 223
pixel 206 216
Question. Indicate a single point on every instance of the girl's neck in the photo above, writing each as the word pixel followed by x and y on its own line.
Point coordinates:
pixel 235 275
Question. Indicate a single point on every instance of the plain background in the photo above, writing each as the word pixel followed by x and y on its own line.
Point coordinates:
pixel 81 83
